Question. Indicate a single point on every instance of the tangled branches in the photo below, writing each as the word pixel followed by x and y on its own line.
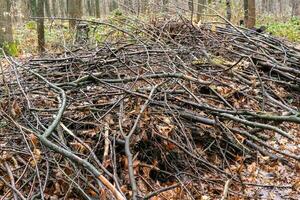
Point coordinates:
pixel 154 108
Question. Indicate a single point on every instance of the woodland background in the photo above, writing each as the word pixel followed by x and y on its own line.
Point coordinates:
pixel 149 99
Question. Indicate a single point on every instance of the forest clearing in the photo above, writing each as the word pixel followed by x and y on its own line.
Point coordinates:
pixel 155 99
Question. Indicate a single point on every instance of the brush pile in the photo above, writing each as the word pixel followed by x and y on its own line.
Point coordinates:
pixel 166 110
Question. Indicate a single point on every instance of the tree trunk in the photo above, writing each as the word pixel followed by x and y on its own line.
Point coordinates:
pixel 113 5
pixel 200 9
pixel 33 7
pixel 40 27
pixel 6 35
pixel 89 8
pixel 25 9
pixel 98 9
pixel 296 8
pixel 74 11
pixel 249 13
pixel 191 5
pixel 271 6
pixel 53 7
pixel 264 5
pixel 228 10
pixel 47 8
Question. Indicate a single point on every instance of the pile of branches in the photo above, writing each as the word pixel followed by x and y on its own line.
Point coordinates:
pixel 156 109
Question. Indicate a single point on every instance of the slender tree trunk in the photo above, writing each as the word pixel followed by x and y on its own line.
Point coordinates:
pixel 98 9
pixel 33 7
pixel 246 12
pixel 249 13
pixel 296 8
pixel 228 10
pixel 113 5
pixel 89 8
pixel 271 6
pixel 54 7
pixel 264 5
pixel 40 27
pixel 74 11
pixel 104 7
pixel 63 7
pixel 252 13
pixel 6 35
pixel 47 8
pixel 25 9
pixel 191 5
pixel 200 9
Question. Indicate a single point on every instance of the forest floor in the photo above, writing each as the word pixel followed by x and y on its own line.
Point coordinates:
pixel 160 110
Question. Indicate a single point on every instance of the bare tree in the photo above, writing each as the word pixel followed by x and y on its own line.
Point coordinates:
pixel 47 8
pixel 6 35
pixel 200 9
pixel 89 7
pixel 249 13
pixel 296 8
pixel 113 5
pixel 97 9
pixel 40 26
pixel 54 7
pixel 228 10
pixel 74 11
pixel 33 7
pixel 25 9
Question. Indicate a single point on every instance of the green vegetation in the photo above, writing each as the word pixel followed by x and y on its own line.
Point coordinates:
pixel 12 48
pixel 56 35
pixel 56 32
pixel 31 25
pixel 289 29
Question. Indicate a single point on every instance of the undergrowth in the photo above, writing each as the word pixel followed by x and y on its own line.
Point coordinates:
pixel 289 29
pixel 58 36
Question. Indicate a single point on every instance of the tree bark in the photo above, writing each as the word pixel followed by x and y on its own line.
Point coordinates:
pixel 113 5
pixel 264 5
pixel 25 9
pixel 54 7
pixel 200 9
pixel 295 8
pixel 98 9
pixel 89 8
pixel 40 27
pixel 249 13
pixel 74 11
pixel 47 8
pixel 228 10
pixel 6 35
pixel 33 7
